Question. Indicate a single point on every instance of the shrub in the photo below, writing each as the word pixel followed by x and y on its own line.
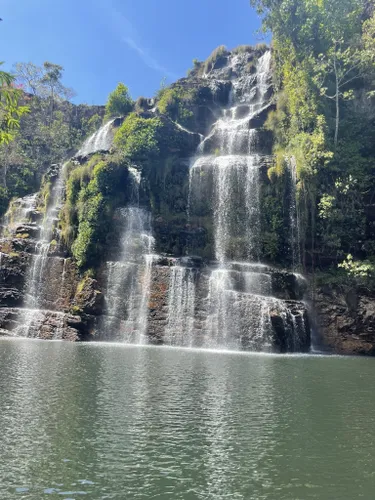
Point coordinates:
pixel 218 53
pixel 93 124
pixel 260 49
pixel 45 194
pixel 137 137
pixel 361 271
pixel 197 68
pixel 251 67
pixel 119 102
pixel 142 104
pixel 90 207
pixel 176 102
pixel 77 179
pixel 91 216
pixel 241 49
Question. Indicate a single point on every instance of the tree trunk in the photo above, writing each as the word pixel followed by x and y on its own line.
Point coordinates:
pixel 52 97
pixel 337 105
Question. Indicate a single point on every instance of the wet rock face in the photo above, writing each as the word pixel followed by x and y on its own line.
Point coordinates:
pixel 191 306
pixel 12 277
pixel 46 325
pixel 56 287
pixel 88 298
pixel 56 293
pixel 346 321
pixel 158 303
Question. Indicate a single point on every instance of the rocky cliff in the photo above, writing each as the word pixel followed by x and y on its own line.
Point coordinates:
pixel 160 239
pixel 346 320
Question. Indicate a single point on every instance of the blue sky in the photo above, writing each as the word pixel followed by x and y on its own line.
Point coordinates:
pixel 138 42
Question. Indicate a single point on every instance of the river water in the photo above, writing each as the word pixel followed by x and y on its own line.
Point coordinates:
pixel 107 421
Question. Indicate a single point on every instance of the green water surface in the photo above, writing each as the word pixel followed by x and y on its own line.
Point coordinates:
pixel 117 422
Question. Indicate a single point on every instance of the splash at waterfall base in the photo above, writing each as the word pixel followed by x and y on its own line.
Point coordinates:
pixel 203 307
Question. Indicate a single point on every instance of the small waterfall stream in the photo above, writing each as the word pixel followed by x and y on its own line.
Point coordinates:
pixel 20 211
pixel 294 221
pixel 101 140
pixel 181 307
pixel 31 314
pixel 129 278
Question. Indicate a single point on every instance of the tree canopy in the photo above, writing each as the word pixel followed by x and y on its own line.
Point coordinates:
pixel 119 102
pixel 324 57
pixel 11 110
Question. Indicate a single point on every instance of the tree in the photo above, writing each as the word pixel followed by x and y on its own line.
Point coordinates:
pixel 119 102
pixel 323 50
pixel 42 81
pixel 11 110
pixel 51 81
pixel 368 42
pixel 29 75
pixel 343 65
pixel 310 25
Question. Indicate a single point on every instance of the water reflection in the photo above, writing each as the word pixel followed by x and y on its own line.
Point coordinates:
pixel 113 422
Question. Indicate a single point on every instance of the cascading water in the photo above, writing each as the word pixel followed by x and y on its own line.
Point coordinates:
pixel 31 315
pixel 101 140
pixel 20 211
pixel 232 303
pixel 181 307
pixel 235 182
pixel 239 310
pixel 129 278
pixel 294 216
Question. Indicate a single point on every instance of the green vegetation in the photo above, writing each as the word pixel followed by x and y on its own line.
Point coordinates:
pixel 94 191
pixel 77 179
pixel 215 56
pixel 260 49
pixel 242 49
pixel 119 102
pixel 176 103
pixel 10 109
pixel 138 138
pixel 141 139
pixel 323 125
pixel 257 50
pixel 51 130
pixel 362 271
pixel 196 69
pixel 93 123
pixel 141 105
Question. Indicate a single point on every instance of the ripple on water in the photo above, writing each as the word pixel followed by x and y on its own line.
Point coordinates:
pixel 98 421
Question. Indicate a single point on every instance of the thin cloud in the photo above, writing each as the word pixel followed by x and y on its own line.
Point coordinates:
pixel 150 61
pixel 127 33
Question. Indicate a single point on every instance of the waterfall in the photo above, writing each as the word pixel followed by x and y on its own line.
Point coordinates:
pixel 294 222
pixel 20 211
pixel 235 181
pixel 181 307
pixel 234 301
pixel 34 286
pixel 101 140
pixel 240 310
pixel 129 278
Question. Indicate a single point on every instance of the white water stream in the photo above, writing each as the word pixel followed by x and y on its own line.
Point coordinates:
pixel 129 278
pixel 101 140
pixel 32 314
pixel 240 305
